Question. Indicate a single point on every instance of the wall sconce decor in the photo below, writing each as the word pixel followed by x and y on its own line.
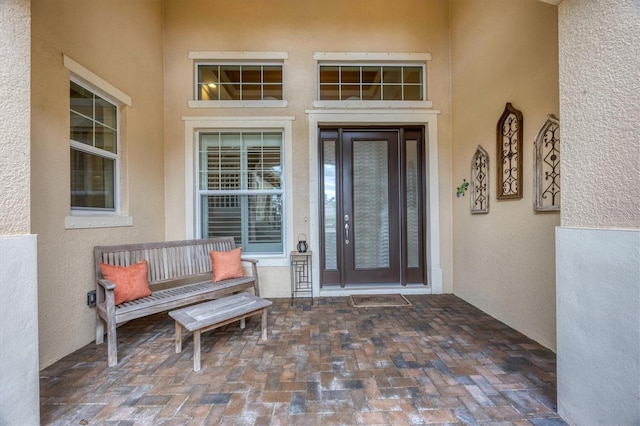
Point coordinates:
pixel 509 149
pixel 480 181
pixel 546 177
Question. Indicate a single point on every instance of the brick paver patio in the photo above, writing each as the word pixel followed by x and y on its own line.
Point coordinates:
pixel 439 361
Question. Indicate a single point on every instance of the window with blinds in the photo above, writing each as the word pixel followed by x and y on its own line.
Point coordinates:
pixel 240 188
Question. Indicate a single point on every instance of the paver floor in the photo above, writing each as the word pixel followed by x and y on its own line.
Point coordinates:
pixel 439 361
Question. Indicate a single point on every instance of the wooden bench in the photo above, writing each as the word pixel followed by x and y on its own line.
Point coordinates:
pixel 210 315
pixel 179 274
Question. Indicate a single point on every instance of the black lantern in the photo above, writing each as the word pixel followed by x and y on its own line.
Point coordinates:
pixel 302 243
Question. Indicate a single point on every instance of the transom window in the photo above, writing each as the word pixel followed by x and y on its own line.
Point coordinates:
pixel 240 188
pixel 371 82
pixel 94 150
pixel 238 82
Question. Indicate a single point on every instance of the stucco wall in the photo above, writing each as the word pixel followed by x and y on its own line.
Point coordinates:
pixel 14 140
pixel 121 42
pixel 19 368
pixel 599 264
pixel 504 51
pixel 599 75
pixel 300 29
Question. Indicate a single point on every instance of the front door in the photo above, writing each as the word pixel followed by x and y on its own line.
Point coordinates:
pixel 372 215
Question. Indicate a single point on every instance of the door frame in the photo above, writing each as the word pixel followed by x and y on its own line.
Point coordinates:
pixel 374 118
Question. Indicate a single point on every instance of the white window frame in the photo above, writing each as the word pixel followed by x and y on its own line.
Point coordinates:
pixel 237 58
pixel 194 126
pixel 376 59
pixel 242 191
pixel 100 218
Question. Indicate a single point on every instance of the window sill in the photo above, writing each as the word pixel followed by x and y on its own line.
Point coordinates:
pixel 97 221
pixel 269 260
pixel 373 104
pixel 239 104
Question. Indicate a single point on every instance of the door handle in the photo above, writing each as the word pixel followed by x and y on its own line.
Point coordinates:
pixel 346 229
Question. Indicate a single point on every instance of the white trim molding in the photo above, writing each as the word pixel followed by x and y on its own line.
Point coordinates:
pixel 239 104
pixel 96 81
pixel 93 220
pixel 425 117
pixel 238 56
pixel 370 57
pixel 373 104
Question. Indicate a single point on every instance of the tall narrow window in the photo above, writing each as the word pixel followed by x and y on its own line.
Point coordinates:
pixel 240 188
pixel 547 168
pixel 94 150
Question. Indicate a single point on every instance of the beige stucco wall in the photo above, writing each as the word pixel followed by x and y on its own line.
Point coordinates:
pixel 121 42
pixel 599 80
pixel 504 51
pixel 14 141
pixel 299 29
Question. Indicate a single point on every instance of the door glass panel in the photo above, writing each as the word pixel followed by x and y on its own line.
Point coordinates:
pixel 412 185
pixel 370 204
pixel 330 206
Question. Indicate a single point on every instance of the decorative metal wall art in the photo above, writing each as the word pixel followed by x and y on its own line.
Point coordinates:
pixel 546 178
pixel 480 181
pixel 509 144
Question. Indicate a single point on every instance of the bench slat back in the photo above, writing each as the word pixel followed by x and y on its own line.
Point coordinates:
pixel 167 261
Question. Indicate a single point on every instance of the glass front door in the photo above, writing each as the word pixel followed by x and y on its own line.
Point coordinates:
pixel 371 206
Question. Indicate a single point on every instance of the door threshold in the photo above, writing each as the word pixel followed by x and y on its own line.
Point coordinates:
pixel 351 290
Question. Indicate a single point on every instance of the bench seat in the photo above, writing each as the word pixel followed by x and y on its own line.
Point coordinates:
pixel 170 264
pixel 171 298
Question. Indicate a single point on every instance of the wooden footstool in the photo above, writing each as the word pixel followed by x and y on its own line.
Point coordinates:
pixel 216 313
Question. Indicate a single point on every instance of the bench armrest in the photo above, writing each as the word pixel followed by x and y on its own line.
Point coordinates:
pixel 254 271
pixel 105 296
pixel 108 285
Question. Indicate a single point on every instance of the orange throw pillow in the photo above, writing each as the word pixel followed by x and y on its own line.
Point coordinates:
pixel 131 281
pixel 226 264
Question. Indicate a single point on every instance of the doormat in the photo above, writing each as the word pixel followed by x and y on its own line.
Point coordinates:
pixel 379 300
